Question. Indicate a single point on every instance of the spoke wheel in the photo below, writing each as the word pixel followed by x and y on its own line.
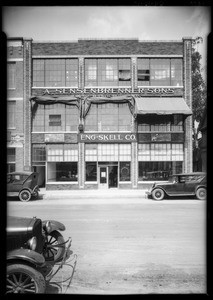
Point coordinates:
pixel 53 252
pixel 24 196
pixel 23 279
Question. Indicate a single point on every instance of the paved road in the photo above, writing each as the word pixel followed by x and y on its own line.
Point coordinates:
pixel 130 246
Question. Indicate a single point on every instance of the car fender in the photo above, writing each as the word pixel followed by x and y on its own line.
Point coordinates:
pixel 159 187
pixel 25 188
pixel 26 255
pixel 55 225
pixel 200 186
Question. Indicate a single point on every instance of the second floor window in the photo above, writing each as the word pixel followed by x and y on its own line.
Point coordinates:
pixel 11 112
pixel 160 123
pixel 55 72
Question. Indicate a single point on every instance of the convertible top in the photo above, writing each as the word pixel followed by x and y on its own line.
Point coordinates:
pixel 192 173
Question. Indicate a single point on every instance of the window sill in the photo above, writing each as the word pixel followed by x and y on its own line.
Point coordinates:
pixel 62 182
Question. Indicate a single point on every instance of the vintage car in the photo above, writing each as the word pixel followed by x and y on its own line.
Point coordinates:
pixel 23 184
pixel 185 184
pixel 33 248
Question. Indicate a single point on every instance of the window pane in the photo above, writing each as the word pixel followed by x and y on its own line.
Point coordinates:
pixel 176 72
pixel 62 171
pixel 160 72
pixel 91 171
pixel 11 154
pixel 143 72
pixel 11 109
pixel 11 75
pixel 125 171
pixel 39 153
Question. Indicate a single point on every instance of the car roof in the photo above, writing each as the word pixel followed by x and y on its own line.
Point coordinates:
pixel 20 173
pixel 192 174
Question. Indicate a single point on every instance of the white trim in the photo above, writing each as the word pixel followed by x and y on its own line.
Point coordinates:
pixel 14 59
pixel 62 182
pixel 15 99
pixel 109 56
pixel 91 182
pixel 125 182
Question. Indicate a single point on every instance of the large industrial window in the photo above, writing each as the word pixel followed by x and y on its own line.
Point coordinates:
pixel 55 72
pixel 39 154
pixel 160 152
pixel 108 117
pixel 11 113
pixel 55 117
pixel 160 72
pixel 11 75
pixel 108 72
pixel 91 171
pixel 160 123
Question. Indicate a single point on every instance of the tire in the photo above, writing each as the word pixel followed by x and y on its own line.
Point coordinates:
pixel 201 194
pixel 22 278
pixel 24 196
pixel 158 194
pixel 50 252
pixel 36 195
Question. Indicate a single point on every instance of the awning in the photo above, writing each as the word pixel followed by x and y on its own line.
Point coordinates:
pixel 162 106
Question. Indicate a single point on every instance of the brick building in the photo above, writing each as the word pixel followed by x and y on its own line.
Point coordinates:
pixel 99 113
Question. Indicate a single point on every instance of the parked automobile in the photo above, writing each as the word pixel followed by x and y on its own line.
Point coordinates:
pixel 23 184
pixel 31 255
pixel 185 184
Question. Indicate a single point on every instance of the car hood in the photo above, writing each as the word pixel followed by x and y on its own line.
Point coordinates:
pixel 19 224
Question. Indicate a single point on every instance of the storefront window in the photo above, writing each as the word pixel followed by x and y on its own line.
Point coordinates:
pixel 158 170
pixel 125 171
pixel 55 72
pixel 62 171
pixel 91 171
pixel 160 72
pixel 108 72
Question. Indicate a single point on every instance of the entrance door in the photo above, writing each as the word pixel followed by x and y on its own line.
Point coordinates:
pixel 103 177
pixel 113 176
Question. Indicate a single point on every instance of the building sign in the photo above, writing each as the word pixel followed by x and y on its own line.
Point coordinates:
pixel 54 138
pixel 107 137
pixel 138 92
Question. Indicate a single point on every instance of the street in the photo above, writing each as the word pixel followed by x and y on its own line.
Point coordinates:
pixel 129 246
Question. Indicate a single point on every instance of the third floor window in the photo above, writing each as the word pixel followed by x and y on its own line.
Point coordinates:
pixel 55 72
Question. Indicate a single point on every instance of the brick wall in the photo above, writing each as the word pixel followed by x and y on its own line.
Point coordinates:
pixel 108 47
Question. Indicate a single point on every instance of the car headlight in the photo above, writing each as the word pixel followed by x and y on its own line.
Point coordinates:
pixel 32 243
pixel 48 226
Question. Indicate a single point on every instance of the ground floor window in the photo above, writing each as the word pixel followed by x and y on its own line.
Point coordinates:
pixel 125 168
pixel 91 171
pixel 62 171
pixel 158 170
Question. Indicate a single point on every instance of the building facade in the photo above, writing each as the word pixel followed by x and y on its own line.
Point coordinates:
pixel 99 114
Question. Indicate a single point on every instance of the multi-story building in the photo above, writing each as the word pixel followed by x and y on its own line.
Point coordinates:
pixel 99 113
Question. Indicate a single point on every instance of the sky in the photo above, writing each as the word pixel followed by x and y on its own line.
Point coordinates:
pixel 68 23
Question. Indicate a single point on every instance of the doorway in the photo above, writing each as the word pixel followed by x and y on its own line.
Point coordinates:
pixel 108 176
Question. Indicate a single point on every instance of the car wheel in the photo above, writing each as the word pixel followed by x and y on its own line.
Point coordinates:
pixel 51 251
pixel 36 195
pixel 201 194
pixel 158 194
pixel 24 279
pixel 24 195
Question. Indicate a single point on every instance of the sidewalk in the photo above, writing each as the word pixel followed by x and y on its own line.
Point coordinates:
pixel 95 194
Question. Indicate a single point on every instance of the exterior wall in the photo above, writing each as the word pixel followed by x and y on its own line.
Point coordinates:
pixel 188 163
pixel 92 48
